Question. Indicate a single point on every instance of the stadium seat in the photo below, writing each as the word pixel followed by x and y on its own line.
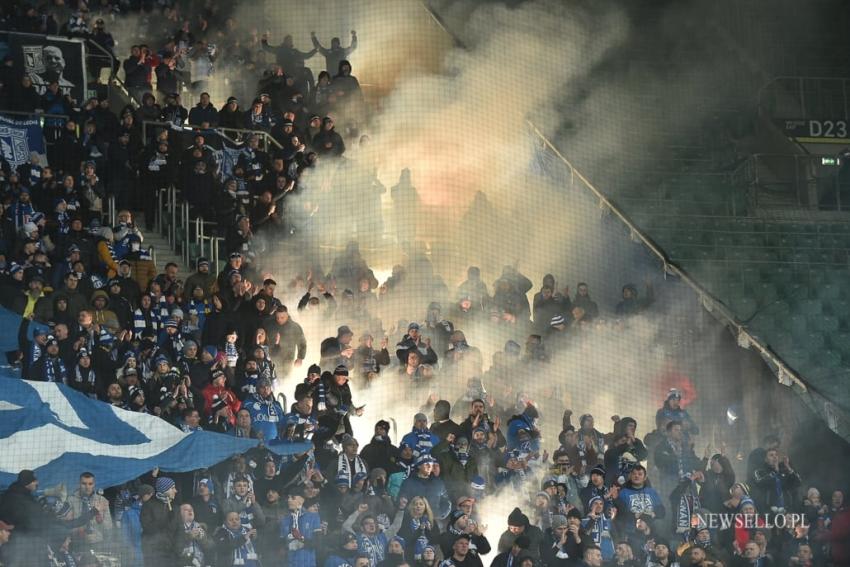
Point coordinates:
pixel 809 307
pixel 824 323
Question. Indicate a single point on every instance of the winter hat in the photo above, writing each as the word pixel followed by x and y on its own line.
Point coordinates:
pixel 345 538
pixel 177 313
pixel 25 477
pixel 425 459
pixel 420 417
pixel 674 394
pixel 134 392
pixel 30 227
pixel 543 494
pixel 384 424
pixel 598 469
pixel 594 499
pixel 413 325
pixel 517 518
pixel 203 262
pixel 557 320
pixel 163 484
pixel 189 344
pixel 170 322
pixel 264 382
pixel 558 521
pixel 144 490
pixel 340 371
pixel 302 391
pixel 314 369
pixel 478 483
pixel 574 513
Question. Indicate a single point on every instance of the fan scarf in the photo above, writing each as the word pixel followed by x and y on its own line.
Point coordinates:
pixel 344 468
pixel 688 505
pixel 244 554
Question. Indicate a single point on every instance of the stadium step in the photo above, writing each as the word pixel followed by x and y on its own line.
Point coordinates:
pixel 164 254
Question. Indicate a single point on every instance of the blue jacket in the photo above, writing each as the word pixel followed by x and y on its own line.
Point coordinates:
pixel 421 440
pixel 643 501
pixel 266 415
pixel 431 489
pixel 309 524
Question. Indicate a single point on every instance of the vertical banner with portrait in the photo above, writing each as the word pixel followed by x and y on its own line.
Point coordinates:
pixel 48 58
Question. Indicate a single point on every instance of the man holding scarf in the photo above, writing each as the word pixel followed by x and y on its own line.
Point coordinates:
pixel 299 530
pixel 235 544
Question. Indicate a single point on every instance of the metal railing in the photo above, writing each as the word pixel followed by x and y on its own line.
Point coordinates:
pixel 802 180
pixel 233 135
pixel 785 373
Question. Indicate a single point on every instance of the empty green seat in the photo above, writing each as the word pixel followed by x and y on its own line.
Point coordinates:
pixel 828 290
pixel 824 323
pixel 809 307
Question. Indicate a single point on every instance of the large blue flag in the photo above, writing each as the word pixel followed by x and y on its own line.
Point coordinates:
pixel 59 433
pixel 18 138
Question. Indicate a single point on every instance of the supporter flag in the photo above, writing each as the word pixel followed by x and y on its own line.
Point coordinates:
pixel 20 137
pixel 59 433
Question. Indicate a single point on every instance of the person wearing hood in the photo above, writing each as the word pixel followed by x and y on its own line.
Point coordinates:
pixel 336 53
pixel 119 304
pixel 443 426
pixel 380 452
pixel 413 340
pixel 631 304
pixel 344 85
pixel 328 142
pixel 458 465
pixel 520 526
pixel 514 554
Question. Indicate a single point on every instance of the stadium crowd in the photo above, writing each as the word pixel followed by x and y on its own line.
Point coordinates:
pixel 211 352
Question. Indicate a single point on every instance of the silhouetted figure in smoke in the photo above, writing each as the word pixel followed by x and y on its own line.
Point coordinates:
pixel 405 206
pixel 328 142
pixel 349 268
pixel 631 304
pixel 336 53
pixel 287 56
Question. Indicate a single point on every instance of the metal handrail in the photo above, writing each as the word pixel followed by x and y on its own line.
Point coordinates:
pixel 36 114
pixel 267 138
pixel 709 301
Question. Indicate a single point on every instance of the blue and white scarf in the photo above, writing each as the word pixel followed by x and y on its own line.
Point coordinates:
pixel 344 468
pixel 54 370
pixel 245 553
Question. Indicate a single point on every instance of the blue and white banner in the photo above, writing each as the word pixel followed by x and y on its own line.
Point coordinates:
pixel 59 433
pixel 18 138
